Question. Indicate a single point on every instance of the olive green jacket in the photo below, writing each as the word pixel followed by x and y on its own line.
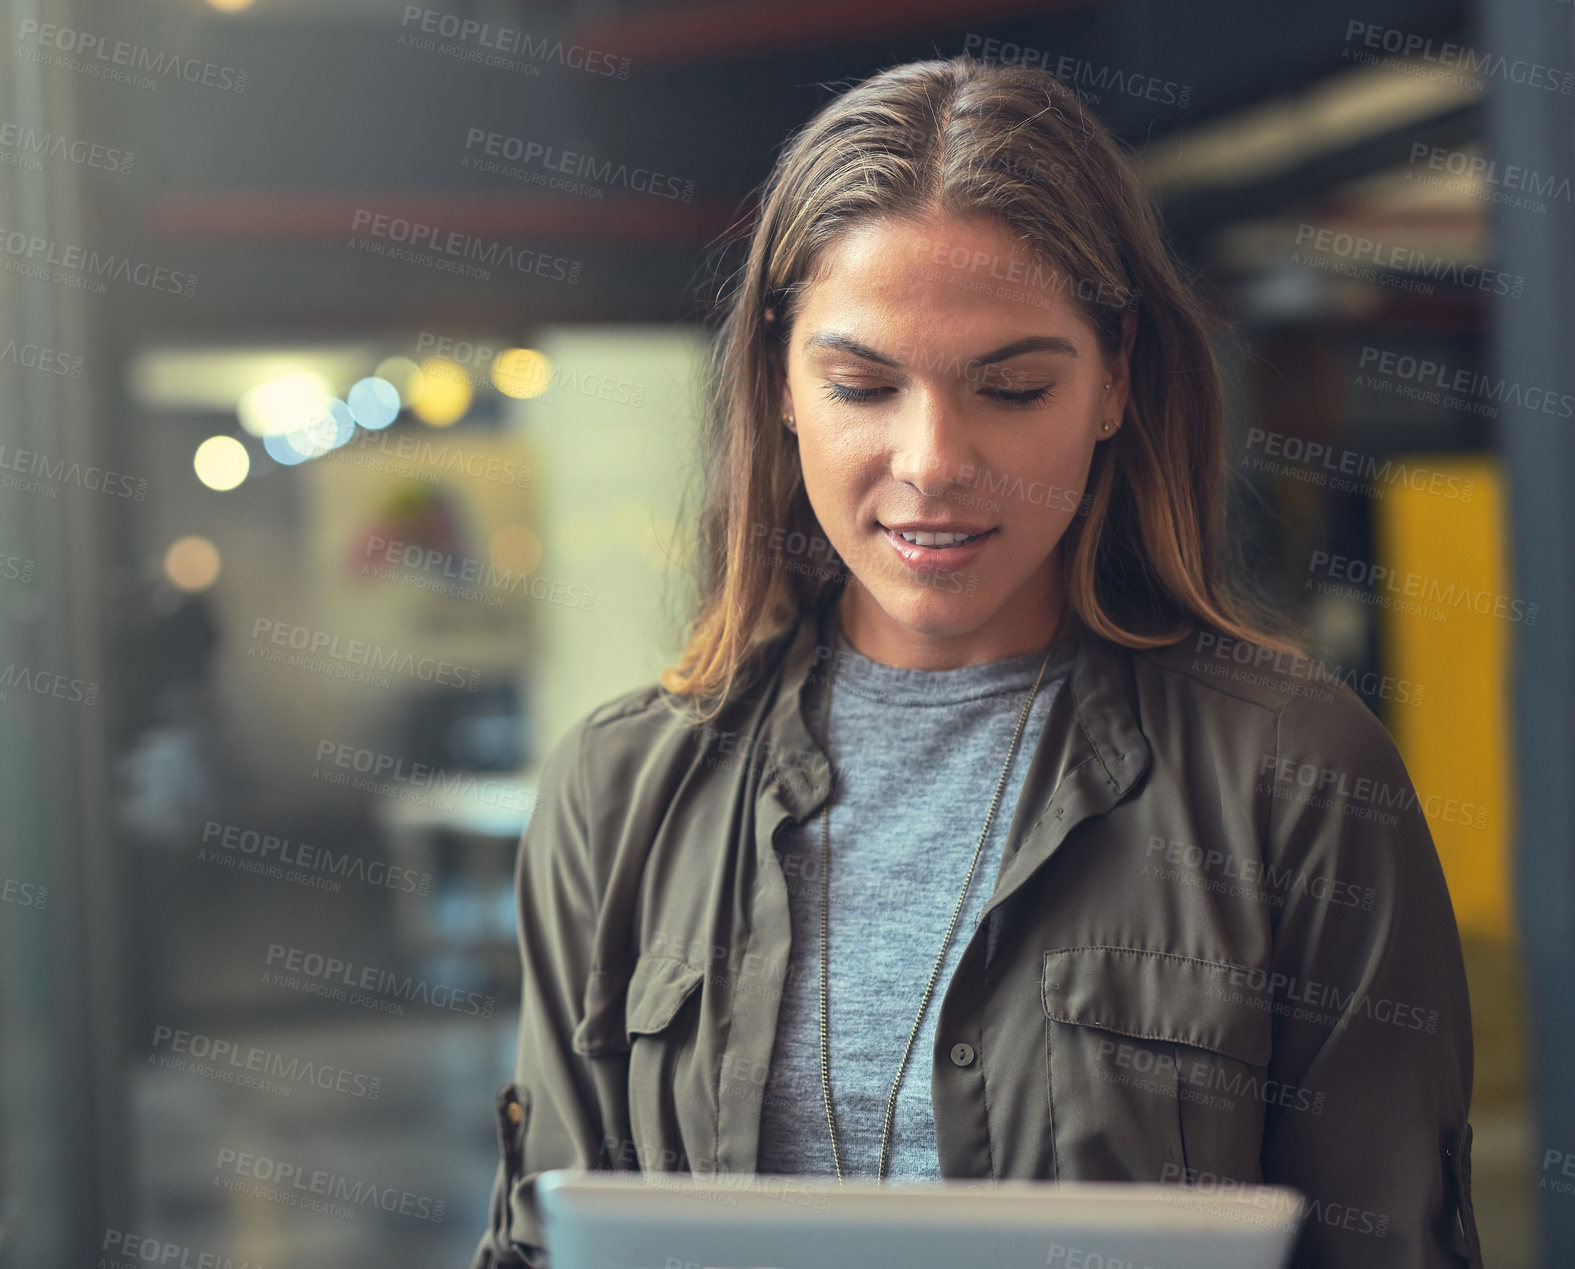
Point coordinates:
pixel 1219 951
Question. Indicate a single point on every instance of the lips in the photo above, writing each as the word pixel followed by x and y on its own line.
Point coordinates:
pixel 930 554
pixel 938 535
pixel 940 541
pixel 936 526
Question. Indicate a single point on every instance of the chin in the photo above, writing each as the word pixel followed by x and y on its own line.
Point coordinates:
pixel 941 609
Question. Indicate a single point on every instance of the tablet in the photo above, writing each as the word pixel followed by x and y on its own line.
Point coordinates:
pixel 629 1220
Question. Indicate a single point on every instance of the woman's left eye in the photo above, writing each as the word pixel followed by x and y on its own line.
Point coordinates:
pixel 1028 396
pixel 844 392
pixel 1024 397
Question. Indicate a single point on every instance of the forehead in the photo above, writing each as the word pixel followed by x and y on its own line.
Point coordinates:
pixel 937 278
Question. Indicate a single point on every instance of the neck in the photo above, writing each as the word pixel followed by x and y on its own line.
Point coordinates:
pixel 876 635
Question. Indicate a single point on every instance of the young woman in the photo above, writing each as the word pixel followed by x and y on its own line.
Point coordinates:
pixel 979 831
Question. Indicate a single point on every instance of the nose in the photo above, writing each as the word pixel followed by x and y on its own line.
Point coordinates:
pixel 931 444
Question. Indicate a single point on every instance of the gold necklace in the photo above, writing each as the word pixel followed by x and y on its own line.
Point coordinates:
pixel 825 904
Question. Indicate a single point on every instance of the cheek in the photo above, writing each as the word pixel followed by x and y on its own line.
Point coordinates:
pixel 1061 461
pixel 832 459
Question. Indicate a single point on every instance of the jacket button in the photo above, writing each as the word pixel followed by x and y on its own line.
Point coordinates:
pixel 962 1054
pixel 515 1112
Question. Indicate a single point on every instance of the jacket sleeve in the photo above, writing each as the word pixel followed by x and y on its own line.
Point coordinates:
pixel 548 1116
pixel 1371 1011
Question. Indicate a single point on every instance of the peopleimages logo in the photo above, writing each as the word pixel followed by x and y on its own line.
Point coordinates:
pixel 1068 1256
pixel 1081 76
pixel 484 147
pixel 1478 167
pixel 66 264
pixel 232 1062
pixel 1409 44
pixel 1275 668
pixel 476 364
pixel 1189 1073
pixel 1301 999
pixel 1324 1211
pixel 236 846
pixel 987 267
pixel 1353 249
pixel 412 239
pixel 28 144
pixel 404 458
pixel 501 45
pixel 47 683
pixel 480 578
pixel 293 1184
pixel 1325 787
pixel 144 1250
pixel 13 568
pixel 25 894
pixel 412 776
pixel 1346 469
pixel 46 475
pixel 1415 586
pixel 1564 1162
pixel 95 55
pixel 1439 384
pixel 1262 875
pixel 351 654
pixel 318 975
pixel 37 357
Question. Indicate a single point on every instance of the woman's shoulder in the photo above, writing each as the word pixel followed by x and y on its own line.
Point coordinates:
pixel 1312 704
pixel 607 782
pixel 645 728
pixel 652 713
pixel 632 722
pixel 1293 728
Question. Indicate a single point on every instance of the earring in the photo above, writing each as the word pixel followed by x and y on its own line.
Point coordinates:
pixel 1105 426
pixel 788 419
pixel 1107 387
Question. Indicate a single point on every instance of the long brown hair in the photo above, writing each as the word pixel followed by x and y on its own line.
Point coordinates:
pixel 964 138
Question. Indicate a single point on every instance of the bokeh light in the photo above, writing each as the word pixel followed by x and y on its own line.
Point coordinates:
pixel 404 374
pixel 514 549
pixel 192 563
pixel 221 462
pixel 283 404
pixel 374 402
pixel 278 447
pixel 522 373
pixel 444 395
pixel 329 428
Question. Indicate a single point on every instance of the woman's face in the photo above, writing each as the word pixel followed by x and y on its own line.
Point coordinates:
pixel 940 381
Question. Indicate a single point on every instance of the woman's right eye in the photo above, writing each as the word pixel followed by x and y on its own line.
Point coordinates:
pixel 845 392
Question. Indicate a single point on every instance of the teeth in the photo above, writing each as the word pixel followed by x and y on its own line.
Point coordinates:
pixel 937 539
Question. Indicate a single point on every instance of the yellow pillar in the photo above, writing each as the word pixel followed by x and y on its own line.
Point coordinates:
pixel 1435 633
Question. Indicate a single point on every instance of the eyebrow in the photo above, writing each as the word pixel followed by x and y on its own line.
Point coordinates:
pixel 1030 343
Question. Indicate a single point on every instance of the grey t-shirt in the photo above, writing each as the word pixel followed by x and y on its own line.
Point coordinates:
pixel 916 755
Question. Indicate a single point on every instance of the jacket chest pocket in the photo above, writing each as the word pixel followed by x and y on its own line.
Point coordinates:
pixel 1157 1065
pixel 642 1017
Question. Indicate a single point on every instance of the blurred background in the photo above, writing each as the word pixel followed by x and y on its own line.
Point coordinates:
pixel 349 382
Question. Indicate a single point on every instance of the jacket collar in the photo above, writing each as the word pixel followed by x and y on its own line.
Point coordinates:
pixel 1091 753
pixel 794 763
pixel 1092 750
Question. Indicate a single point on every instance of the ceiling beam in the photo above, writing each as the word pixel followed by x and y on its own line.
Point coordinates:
pixel 262 216
pixel 711 28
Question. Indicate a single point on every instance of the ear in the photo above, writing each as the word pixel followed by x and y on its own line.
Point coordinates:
pixel 1120 367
